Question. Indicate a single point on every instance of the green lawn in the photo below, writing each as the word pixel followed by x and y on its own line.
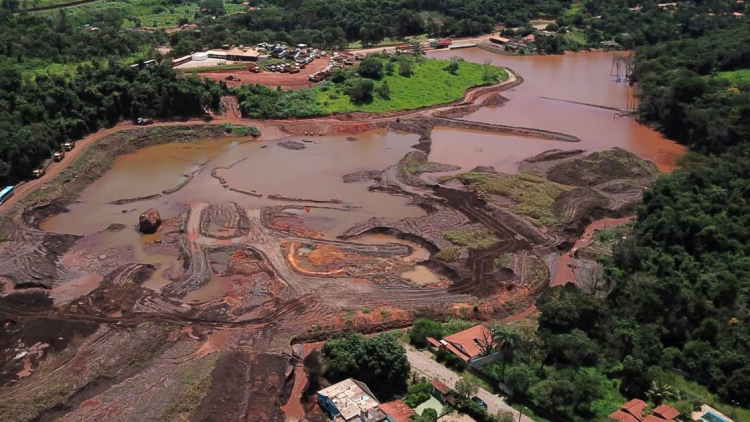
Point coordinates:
pixel 736 76
pixel 429 85
pixel 692 391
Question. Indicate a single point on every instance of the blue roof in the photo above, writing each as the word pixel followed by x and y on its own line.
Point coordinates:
pixel 6 190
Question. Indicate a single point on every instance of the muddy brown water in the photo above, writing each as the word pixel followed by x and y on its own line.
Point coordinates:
pixel 315 173
pixel 561 80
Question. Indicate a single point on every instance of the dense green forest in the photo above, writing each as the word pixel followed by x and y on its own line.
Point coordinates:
pixel 681 88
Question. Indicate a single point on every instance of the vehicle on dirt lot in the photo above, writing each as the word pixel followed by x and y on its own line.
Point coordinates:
pixel 294 70
pixel 38 172
pixel 256 69
pixel 480 402
pixel 69 145
pixel 230 78
pixel 143 121
pixel 59 155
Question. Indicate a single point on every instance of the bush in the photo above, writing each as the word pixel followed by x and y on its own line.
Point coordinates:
pixel 254 132
pixel 441 355
pixel 240 130
pixel 423 328
pixel 404 69
pixel 361 90
pixel 371 68
pixel 418 394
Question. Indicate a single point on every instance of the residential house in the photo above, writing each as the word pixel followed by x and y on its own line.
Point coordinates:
pixel 633 411
pixel 351 400
pixel 397 411
pixel 440 391
pixel 464 344
pixel 665 412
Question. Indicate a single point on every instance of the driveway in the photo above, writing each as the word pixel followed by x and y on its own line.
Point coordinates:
pixel 422 362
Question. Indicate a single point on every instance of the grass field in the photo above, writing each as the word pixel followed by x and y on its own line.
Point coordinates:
pixel 430 84
pixel 736 76
pixel 149 13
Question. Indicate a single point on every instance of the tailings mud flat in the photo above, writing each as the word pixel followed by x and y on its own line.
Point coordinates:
pixel 262 244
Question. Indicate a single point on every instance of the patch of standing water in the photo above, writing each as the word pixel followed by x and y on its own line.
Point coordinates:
pixel 215 288
pixel 421 276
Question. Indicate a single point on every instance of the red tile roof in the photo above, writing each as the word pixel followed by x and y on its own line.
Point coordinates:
pixel 623 417
pixel 666 412
pixel 653 418
pixel 466 343
pixel 397 410
pixel 442 388
pixel 631 411
pixel 434 342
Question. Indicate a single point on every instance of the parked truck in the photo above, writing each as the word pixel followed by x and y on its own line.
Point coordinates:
pixel 58 156
pixel 141 121
pixel 69 145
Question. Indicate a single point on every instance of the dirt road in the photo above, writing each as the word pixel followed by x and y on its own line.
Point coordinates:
pixel 422 362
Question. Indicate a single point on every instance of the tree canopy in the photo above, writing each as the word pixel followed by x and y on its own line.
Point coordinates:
pixel 379 361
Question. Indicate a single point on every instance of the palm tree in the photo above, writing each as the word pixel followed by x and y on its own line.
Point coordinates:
pixel 506 339
pixel 661 392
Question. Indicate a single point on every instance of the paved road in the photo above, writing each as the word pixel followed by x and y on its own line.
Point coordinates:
pixel 423 363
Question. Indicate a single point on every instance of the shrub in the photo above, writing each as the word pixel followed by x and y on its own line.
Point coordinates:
pixel 404 69
pixel 423 328
pixel 371 68
pixel 441 355
pixel 417 394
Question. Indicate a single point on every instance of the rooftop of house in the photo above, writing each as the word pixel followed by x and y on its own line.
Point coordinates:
pixel 666 411
pixel 623 416
pixel 351 398
pixel 631 411
pixel 466 343
pixel 397 410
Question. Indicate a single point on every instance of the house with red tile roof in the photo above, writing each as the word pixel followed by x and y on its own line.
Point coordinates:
pixel 666 412
pixel 397 411
pixel 465 344
pixel 631 411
